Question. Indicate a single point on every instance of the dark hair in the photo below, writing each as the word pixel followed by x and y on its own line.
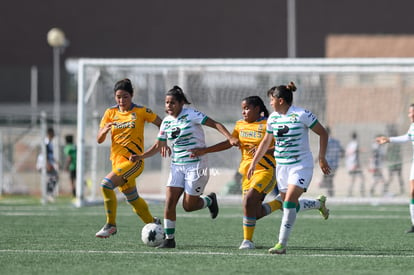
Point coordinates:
pixel 255 101
pixel 125 85
pixel 69 139
pixel 354 135
pixel 178 94
pixel 50 131
pixel 283 91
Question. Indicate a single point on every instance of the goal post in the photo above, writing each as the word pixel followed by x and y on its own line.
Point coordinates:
pixel 367 96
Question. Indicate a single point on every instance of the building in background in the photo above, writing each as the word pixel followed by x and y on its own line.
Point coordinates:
pixel 189 29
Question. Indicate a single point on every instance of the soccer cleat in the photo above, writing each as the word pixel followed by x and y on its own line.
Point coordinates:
pixel 246 244
pixel 214 209
pixel 278 249
pixel 323 210
pixel 167 243
pixel 157 220
pixel 411 230
pixel 106 231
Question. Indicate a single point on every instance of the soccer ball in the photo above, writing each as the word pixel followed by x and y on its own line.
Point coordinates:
pixel 152 234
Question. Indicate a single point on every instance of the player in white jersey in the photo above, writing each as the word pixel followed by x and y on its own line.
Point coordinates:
pixel 188 174
pixel 289 126
pixel 409 136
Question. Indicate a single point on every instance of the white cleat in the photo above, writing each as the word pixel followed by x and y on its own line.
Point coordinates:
pixel 107 231
pixel 246 244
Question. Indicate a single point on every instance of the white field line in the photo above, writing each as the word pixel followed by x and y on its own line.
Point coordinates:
pixel 201 253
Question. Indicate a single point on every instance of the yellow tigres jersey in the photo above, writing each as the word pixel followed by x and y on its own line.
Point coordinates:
pixel 250 135
pixel 128 132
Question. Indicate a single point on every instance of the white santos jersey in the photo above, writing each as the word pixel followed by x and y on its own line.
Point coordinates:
pixel 184 132
pixel 291 132
pixel 409 136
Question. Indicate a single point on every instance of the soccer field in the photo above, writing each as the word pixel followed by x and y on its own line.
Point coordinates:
pixel 60 239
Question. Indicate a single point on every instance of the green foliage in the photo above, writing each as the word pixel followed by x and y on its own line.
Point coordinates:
pixel 60 239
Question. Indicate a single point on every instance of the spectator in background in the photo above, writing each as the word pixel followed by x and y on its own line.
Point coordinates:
pixel 70 162
pixel 51 165
pixel 376 166
pixel 334 152
pixel 353 165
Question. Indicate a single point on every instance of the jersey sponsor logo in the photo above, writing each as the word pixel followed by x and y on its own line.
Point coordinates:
pixel 198 113
pixel 310 114
pixel 175 132
pixel 124 125
pixel 282 130
pixel 251 134
pixel 133 116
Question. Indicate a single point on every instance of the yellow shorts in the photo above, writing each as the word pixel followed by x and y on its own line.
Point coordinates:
pixel 128 170
pixel 263 181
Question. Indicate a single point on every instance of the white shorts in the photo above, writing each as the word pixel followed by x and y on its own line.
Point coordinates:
pixel 192 177
pixel 293 174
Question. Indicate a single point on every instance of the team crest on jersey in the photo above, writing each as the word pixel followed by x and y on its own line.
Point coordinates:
pixel 294 117
pixel 133 116
pixel 148 110
pixel 183 118
pixel 260 127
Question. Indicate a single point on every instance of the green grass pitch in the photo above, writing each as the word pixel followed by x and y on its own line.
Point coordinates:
pixel 60 239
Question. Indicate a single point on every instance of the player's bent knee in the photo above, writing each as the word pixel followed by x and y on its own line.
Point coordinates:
pixel 108 184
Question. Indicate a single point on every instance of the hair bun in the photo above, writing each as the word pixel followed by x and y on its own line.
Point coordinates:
pixel 291 86
pixel 177 88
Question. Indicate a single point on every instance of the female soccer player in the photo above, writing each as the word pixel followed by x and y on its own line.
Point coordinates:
pixel 289 125
pixel 188 174
pixel 409 136
pixel 125 121
pixel 250 131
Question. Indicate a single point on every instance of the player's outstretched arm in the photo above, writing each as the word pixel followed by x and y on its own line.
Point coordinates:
pixel 223 130
pixel 158 146
pixel 382 140
pixel 224 145
pixel 260 152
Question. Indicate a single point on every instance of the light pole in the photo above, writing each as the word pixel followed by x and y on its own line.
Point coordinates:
pixel 291 28
pixel 57 40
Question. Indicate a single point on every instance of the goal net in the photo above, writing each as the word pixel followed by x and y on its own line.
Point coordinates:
pixel 365 96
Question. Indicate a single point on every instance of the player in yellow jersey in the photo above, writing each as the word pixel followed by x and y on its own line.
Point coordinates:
pixel 125 123
pixel 250 130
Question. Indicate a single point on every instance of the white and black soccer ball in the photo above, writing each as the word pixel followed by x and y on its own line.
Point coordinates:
pixel 152 234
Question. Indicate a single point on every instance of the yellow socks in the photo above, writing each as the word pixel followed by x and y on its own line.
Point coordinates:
pixel 110 204
pixel 249 224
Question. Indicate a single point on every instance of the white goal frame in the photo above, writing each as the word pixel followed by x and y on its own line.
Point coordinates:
pixel 300 65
